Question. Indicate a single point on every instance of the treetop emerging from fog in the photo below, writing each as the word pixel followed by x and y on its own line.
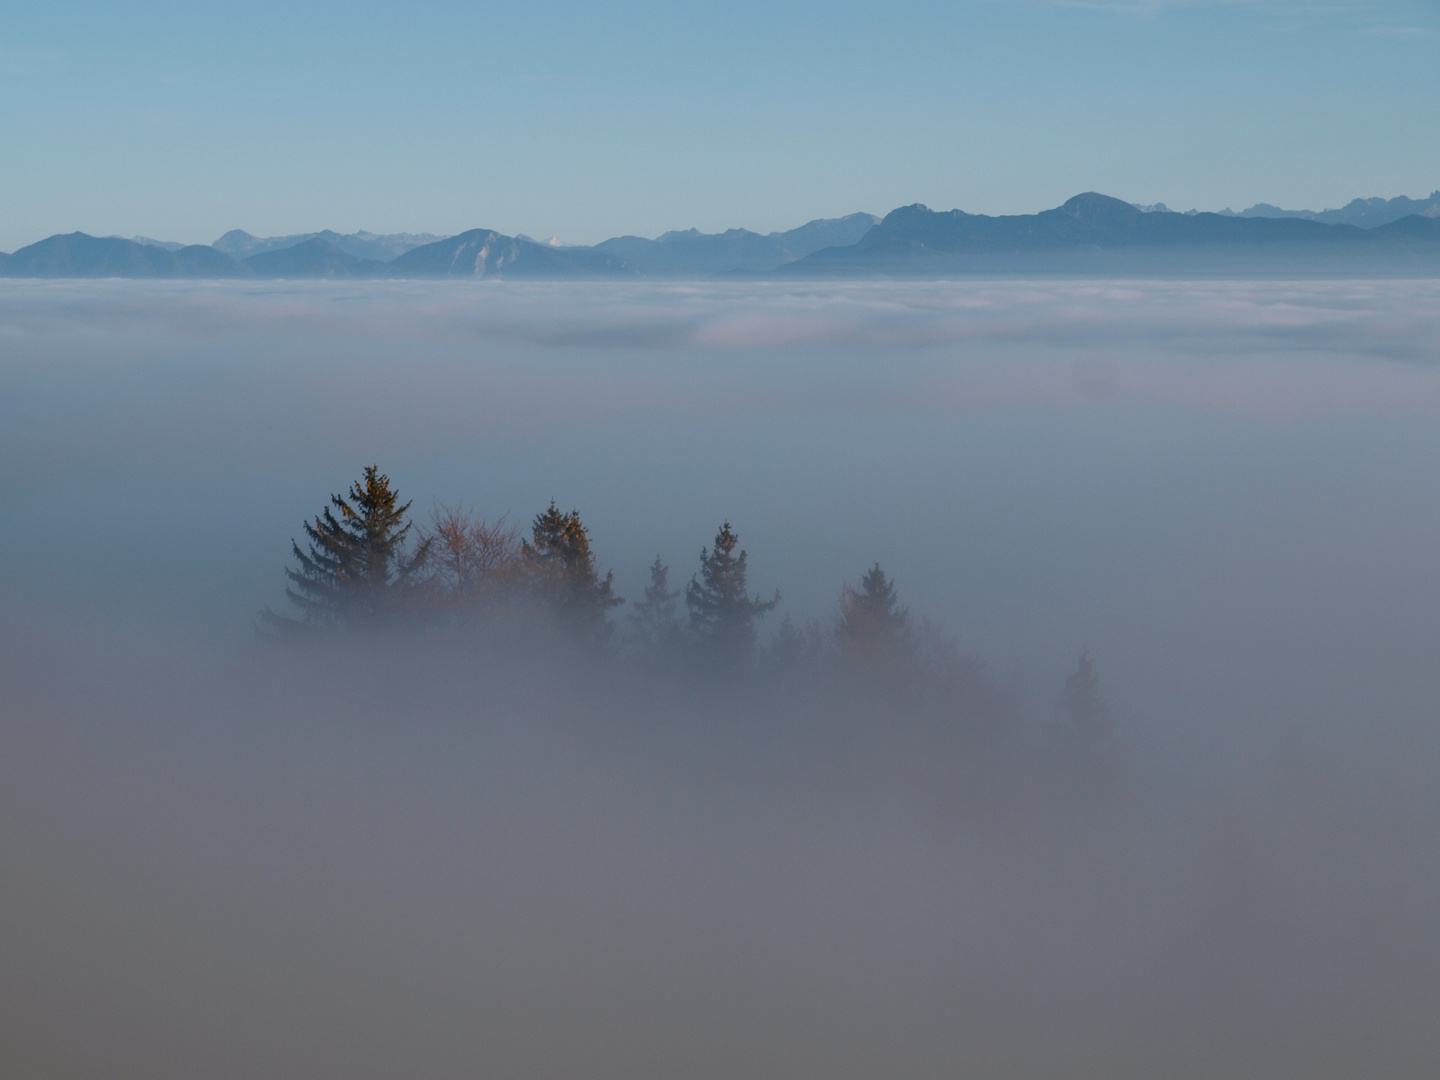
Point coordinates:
pixel 358 566
pixel 722 613
pixel 367 565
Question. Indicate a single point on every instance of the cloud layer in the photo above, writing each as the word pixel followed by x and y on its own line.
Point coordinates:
pixel 444 857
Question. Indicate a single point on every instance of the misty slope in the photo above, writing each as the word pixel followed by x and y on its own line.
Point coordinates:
pixel 693 252
pixel 484 253
pixel 80 255
pixel 362 245
pixel 1415 226
pixel 1096 234
pixel 315 258
pixel 1367 213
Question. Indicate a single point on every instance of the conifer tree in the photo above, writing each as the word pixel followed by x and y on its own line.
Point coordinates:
pixel 872 628
pixel 653 623
pixel 722 613
pixel 563 568
pixel 358 566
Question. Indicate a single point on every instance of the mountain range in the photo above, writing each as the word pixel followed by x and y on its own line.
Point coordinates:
pixel 1091 235
pixel 79 255
pixel 1095 235
pixel 1367 213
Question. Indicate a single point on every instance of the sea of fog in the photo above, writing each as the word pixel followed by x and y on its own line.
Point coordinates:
pixel 406 858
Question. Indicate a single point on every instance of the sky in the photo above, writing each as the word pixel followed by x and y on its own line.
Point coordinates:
pixel 183 120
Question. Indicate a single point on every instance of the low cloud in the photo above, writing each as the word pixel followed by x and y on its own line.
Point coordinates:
pixel 397 857
pixel 451 854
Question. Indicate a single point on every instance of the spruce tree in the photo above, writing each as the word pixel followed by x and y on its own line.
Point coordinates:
pixel 722 612
pixel 358 566
pixel 872 628
pixel 653 624
pixel 563 569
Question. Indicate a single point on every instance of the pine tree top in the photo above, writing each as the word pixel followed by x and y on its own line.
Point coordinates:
pixel 722 612
pixel 564 567
pixel 357 564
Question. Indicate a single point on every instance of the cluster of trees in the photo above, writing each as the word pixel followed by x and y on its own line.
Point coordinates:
pixel 365 562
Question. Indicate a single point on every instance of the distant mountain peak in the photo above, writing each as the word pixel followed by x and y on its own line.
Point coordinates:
pixel 1091 206
pixel 485 253
pixel 553 242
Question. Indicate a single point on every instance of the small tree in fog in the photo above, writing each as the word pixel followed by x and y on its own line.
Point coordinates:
pixel 653 622
pixel 358 565
pixel 562 568
pixel 872 628
pixel 1086 718
pixel 471 560
pixel 722 612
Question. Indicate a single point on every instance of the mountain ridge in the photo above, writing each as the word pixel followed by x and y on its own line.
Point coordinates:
pixel 1367 213
pixel 1094 234
pixel 78 254
pixel 1089 235
pixel 313 258
pixel 485 253
pixel 691 251
pixel 377 247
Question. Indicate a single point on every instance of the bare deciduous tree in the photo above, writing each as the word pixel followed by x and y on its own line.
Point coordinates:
pixel 471 560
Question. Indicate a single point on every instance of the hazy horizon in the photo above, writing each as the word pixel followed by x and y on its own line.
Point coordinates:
pixel 181 124
pixel 677 227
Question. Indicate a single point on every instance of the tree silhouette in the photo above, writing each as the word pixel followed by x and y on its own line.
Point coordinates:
pixel 563 569
pixel 872 628
pixel 357 567
pixel 653 623
pixel 722 613
pixel 472 561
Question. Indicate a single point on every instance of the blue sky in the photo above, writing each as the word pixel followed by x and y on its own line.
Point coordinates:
pixel 182 120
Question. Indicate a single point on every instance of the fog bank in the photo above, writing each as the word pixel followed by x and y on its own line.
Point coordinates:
pixel 451 854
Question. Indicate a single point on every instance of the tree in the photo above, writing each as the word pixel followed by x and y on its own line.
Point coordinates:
pixel 563 569
pixel 358 566
pixel 472 561
pixel 653 623
pixel 722 613
pixel 1087 719
pixel 872 628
